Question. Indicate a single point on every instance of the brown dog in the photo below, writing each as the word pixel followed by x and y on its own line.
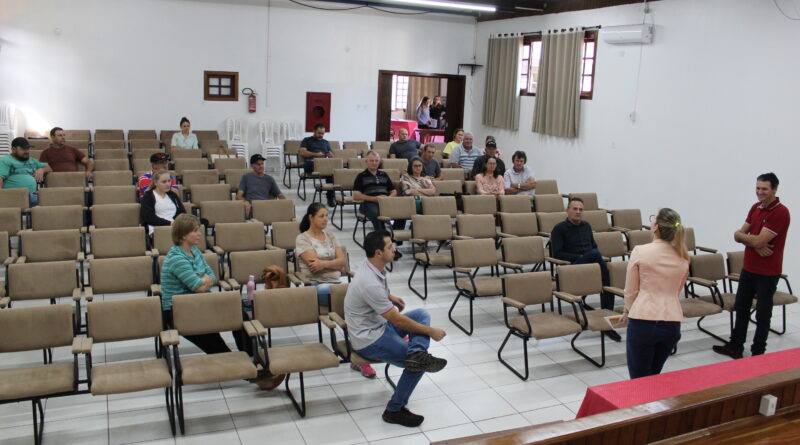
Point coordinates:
pixel 274 278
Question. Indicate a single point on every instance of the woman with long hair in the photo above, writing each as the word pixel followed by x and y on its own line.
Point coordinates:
pixel 184 138
pixel 458 138
pixel 414 183
pixel 424 113
pixel 490 182
pixel 159 204
pixel 656 274
pixel 437 112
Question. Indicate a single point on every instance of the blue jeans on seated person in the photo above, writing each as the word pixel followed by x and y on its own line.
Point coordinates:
pixel 371 211
pixel 34 198
pixel 393 349
pixel 594 256
pixel 649 343
pixel 323 293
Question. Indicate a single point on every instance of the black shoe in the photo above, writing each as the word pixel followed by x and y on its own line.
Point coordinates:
pixel 726 349
pixel 331 202
pixel 756 353
pixel 403 417
pixel 421 361
pixel 614 336
pixel 397 255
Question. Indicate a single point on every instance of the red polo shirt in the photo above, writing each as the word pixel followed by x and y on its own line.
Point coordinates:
pixel 774 218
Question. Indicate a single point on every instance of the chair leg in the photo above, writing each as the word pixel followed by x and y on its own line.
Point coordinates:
pixel 38 421
pixel 453 306
pixel 783 328
pixel 389 379
pixel 424 296
pixel 301 408
pixel 355 230
pixel 524 351
pixel 170 400
pixel 179 406
pixel 333 217
pixel 702 329
pixel 301 182
pixel 602 361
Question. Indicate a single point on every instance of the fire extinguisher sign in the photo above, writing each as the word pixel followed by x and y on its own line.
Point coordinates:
pixel 251 99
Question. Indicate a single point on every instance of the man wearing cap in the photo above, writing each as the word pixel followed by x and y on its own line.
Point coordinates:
pixel 257 185
pixel 64 158
pixel 158 161
pixel 19 170
pixel 491 152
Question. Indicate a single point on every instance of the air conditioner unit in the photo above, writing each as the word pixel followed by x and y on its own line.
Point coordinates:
pixel 627 34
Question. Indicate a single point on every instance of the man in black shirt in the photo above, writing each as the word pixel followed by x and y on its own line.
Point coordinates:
pixel 572 241
pixel 491 152
pixel 370 186
pixel 316 147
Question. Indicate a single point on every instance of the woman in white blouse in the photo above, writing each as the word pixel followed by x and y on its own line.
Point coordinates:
pixel 159 204
pixel 184 139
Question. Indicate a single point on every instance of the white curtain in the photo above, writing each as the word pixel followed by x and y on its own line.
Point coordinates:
pixel 558 95
pixel 501 96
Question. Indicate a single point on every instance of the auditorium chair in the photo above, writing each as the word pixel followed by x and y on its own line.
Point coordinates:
pixel 185 153
pixel 547 187
pixel 109 135
pixel 424 229
pixel 203 135
pixel 111 164
pixel 142 134
pixel 479 204
pixel 598 219
pixel 36 154
pixel 183 164
pixel 233 176
pixel 101 145
pixel 323 170
pixel 345 154
pixel 192 177
pixel 58 217
pixel 381 145
pixel 515 203
pixel 291 307
pixel 120 242
pixel 589 200
pixel 166 137
pixel 224 164
pixel 144 153
pixel 145 144
pixel 449 187
pixel 637 237
pixel 440 205
pixel 240 265
pixel 269 211
pixel 15 198
pixel 216 212
pixel 522 251
pixel 549 220
pixel 11 221
pixel 141 165
pixel 31 329
pixel 210 192
pixel 102 155
pixel 44 281
pixel 470 188
pixel 39 145
pixel 343 181
pixel 78 135
pixel 121 276
pixel 468 256
pixel 335 145
pixel 52 245
pixel 707 271
pixel 359 146
pixel 115 215
pixel 524 291
pixel 548 203
pixel 68 179
pixel 394 174
pixel 393 209
pixel 112 177
pixel 115 194
pixel 691 245
pixel 237 237
pixel 357 164
pixel 470 226
pixel 518 224
pixel 291 161
pixel 610 245
pixel 392 164
pixel 284 236
pixel 625 220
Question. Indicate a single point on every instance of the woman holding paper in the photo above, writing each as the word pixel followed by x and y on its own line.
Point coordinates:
pixel 656 274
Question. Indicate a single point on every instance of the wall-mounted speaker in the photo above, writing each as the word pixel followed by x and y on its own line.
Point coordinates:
pixel 318 110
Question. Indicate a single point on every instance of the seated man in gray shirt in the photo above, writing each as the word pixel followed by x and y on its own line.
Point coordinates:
pixel 404 147
pixel 377 328
pixel 257 185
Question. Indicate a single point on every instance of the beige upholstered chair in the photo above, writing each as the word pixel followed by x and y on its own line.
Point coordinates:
pixel 291 161
pixel 7 256
pixel 109 135
pixel 394 164
pixel 611 245
pixel 479 204
pixel 115 194
pixel 183 164
pixel 115 215
pixel 470 226
pixel 440 205
pixel 69 179
pixel 469 255
pixel 707 271
pixel 233 176
pixel 192 177
pixel 241 265
pixel 589 200
pixel 343 181
pixel 238 237
pixel 142 134
pixel 16 197
pixel 392 209
pixel 52 245
pixel 691 244
pixel 357 164
pixel 297 306
pixel 225 164
pixel 449 187
pixel 217 212
pixel 284 236
pixel 323 170
pixel 381 145
pixel 145 153
pixel 345 154
pixel 546 187
pixel 212 259
pixel 521 291
pixel 625 220
pixel 515 203
pixel 111 164
pixel 637 237
pixel 518 224
pixel 115 153
pixel 81 135
pixel 58 217
pixel 548 203
pixel 10 220
pixel 162 240
pixel 361 147
pixel 273 210
pixel 549 220
pixel 100 145
pixel 26 281
pixel 598 219
pixel 113 177
pixel 119 242
pixel 31 329
pixel 166 136
pixel 210 192
pixel 212 148
pixel 121 275
pixel 518 252
pixel 185 153
pixel 424 229
pixel 60 196
pixel 453 174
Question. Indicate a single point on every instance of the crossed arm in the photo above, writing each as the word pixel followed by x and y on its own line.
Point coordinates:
pixel 760 242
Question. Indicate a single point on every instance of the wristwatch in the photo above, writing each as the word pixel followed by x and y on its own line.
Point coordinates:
pixel 517 186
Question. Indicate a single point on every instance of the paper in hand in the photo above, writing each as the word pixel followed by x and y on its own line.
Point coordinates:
pixel 615 321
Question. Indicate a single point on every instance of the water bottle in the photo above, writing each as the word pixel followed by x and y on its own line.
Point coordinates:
pixel 251 287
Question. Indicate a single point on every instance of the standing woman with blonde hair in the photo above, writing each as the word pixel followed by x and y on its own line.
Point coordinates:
pixel 656 275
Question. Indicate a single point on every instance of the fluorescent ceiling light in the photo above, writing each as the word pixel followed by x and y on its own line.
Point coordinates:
pixel 451 5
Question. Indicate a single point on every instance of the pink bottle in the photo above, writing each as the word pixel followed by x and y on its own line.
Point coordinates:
pixel 251 287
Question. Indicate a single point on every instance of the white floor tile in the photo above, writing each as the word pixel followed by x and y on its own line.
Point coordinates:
pixel 482 404
pixel 567 388
pixel 455 380
pixel 364 394
pixel 439 412
pixel 139 426
pixel 372 426
pixel 549 414
pixel 215 438
pixel 411 439
pixel 527 396
pixel 330 430
pixel 502 423
pixel 453 432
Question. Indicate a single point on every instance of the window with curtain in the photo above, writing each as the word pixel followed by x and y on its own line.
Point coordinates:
pixel 530 59
pixel 399 92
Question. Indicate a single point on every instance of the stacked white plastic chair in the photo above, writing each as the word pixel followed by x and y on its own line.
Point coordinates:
pixel 271 145
pixel 7 118
pixel 237 136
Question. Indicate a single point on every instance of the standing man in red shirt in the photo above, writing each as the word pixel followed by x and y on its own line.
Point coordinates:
pixel 63 158
pixel 764 235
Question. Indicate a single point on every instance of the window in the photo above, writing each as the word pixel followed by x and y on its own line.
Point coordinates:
pixel 220 85
pixel 531 56
pixel 399 92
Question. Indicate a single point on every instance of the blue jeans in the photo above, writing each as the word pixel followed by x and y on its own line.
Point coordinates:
pixel 594 256
pixel 323 293
pixel 762 288
pixel 649 344
pixel 34 198
pixel 392 348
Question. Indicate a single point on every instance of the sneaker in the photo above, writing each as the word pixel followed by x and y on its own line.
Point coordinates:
pixel 614 336
pixel 403 417
pixel 365 370
pixel 421 361
pixel 726 349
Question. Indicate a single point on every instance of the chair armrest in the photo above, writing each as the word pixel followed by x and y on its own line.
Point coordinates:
pixel 784 276
pixel 90 257
pixel 567 297
pixel 614 290
pixel 544 234
pixel 706 249
pixel 302 278
pixel 155 289
pixel 510 265
pixel 170 337
pixel 605 258
pixel 21 260
pixel 76 294
pixel 702 281
pixel 295 279
pixel 557 261
pixel 82 345
pixel 462 237
pixel 218 250
pixel 417 241
pixel 384 218
pixel 256 326
pixel 153 253
pixel 512 302
pixel 505 235
pixel 465 270
pixel 733 276
pixel 337 319
pixel 225 285
pixel 234 284
pixel 251 330
pixel 326 320
pixel 620 229
pixel 81 257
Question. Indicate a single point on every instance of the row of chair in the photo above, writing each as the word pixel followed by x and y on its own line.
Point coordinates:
pixel 119 135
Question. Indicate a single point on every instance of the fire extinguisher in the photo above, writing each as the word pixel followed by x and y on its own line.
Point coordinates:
pixel 251 99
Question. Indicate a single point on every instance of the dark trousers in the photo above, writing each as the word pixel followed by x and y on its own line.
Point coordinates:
pixel 308 167
pixel 648 345
pixel 371 211
pixel 593 256
pixel 762 288
pixel 212 343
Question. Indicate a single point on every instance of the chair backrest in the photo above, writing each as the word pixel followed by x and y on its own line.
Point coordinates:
pixel 142 134
pixel 598 219
pixel 440 205
pixel 476 226
pixel 225 164
pixel 290 148
pixel 529 288
pixel 67 179
pixel 398 207
pixel 610 244
pixel 192 177
pixel 515 203
pixel 523 250
pixel 109 135
pixel 41 281
pixel 449 187
pixel 381 145
pixel 59 196
pixel 479 204
pixel 120 275
pixel 338 292
pixel 284 234
pixel 78 135
pixel 326 166
pixel 358 164
pixel 346 153
pixel 233 176
pixel 17 197
pixel 617 273
pixel 203 135
pixel 549 220
pixel 394 164
pixel 431 227
pixel 359 146
pixel 276 308
pixel 50 245
pixel 207 313
pixel 38 327
pixel 580 279
pixel 453 174
pixel 166 136
pixel 547 187
pixel 210 147
pixel 10 220
pixel 162 240
pixel 394 174
pixel 519 224
pixel 548 203
pixel 100 145
pixel 627 218
pixel 57 217
pixel 111 164
pixel 117 153
pixel 470 188
pixel 39 144
pixel 243 264
pixel 273 210
pixel 589 200
pixel 210 192
pixel 335 145
pixel 146 145
pixel 183 164
pixel 709 267
pixel 119 242
pixel 638 237
pixel 115 194
pixel 689 239
pixel 115 215
pixel 236 237
pixel 222 212
pixel 344 178
pixel 113 177
pixel 128 319
pixel 474 253
pixel 5 247
pixel 735 261
pixel 145 153
pixel 185 153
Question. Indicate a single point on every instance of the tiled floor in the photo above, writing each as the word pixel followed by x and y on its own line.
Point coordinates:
pixel 472 395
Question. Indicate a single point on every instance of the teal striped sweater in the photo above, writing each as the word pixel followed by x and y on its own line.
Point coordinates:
pixel 182 274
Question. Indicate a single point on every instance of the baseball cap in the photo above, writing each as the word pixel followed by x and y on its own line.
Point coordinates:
pixel 491 144
pixel 20 142
pixel 256 157
pixel 156 158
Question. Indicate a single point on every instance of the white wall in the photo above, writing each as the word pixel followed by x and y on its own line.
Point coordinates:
pixel 717 106
pixel 139 63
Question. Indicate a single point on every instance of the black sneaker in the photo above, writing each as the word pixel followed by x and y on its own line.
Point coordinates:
pixel 421 361
pixel 614 336
pixel 331 202
pixel 726 349
pixel 397 255
pixel 756 353
pixel 403 417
